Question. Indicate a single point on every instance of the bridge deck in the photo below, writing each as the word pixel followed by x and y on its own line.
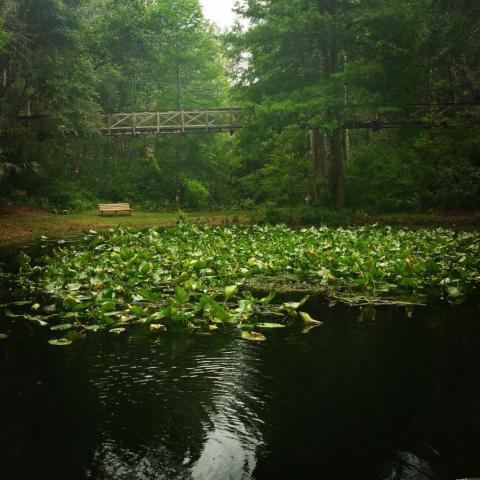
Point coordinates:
pixel 171 121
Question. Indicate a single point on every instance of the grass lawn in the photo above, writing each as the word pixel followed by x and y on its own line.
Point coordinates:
pixel 25 225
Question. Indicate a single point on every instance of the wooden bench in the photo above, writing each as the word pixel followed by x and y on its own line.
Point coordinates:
pixel 114 207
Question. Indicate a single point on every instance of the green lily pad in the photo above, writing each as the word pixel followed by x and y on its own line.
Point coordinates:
pixel 454 292
pixel 61 327
pixel 157 328
pixel 267 300
pixel 296 305
pixel 181 295
pixel 21 303
pixel 108 307
pixel 30 318
pixel 309 328
pixel 253 336
pixel 136 310
pixel 230 290
pixel 92 328
pixel 306 318
pixel 217 312
pixel 37 319
pixel 117 331
pixel 60 342
pixel 269 325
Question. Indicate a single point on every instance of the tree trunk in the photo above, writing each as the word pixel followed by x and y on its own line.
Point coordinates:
pixel 319 150
pixel 337 143
pixel 80 147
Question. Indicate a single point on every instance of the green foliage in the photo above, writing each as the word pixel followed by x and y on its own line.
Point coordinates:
pixel 3 36
pixel 73 59
pixel 448 169
pixel 65 195
pixel 196 194
pixel 333 64
pixel 382 177
pixel 201 278
pixel 312 65
pixel 398 172
pixel 304 215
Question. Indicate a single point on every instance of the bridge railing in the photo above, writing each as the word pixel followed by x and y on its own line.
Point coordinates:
pixel 172 121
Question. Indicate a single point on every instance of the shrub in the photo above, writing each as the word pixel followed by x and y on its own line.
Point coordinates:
pixel 65 195
pixel 196 193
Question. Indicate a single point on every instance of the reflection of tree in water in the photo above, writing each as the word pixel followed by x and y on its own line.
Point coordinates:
pixel 407 466
pixel 176 408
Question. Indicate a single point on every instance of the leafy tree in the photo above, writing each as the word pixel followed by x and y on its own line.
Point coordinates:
pixel 73 59
pixel 330 65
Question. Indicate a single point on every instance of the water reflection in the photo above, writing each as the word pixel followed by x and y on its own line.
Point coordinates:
pixel 407 466
pixel 199 410
pixel 231 445
pixel 392 399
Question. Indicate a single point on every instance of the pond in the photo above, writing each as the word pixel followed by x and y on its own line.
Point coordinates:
pixel 397 397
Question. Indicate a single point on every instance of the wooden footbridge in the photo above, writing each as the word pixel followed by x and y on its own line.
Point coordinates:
pixel 172 121
pixel 231 119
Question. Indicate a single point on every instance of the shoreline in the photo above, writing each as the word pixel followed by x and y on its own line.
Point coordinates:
pixel 26 226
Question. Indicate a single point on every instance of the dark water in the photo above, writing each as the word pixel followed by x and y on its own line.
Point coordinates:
pixel 393 398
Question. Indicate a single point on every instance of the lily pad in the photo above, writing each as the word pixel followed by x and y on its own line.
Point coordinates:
pixel 253 336
pixel 30 318
pixel 158 328
pixel 269 325
pixel 117 331
pixel 230 290
pixel 62 327
pixel 136 310
pixel 60 342
pixel 21 303
pixel 3 336
pixel 306 318
pixel 92 328
pixel 181 295
pixel 296 305
pixel 108 307
pixel 267 300
pixel 308 328
pixel 37 319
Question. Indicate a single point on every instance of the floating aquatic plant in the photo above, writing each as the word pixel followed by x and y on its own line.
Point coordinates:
pixel 204 279
pixel 60 342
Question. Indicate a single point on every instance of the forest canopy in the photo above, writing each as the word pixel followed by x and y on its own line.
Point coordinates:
pixel 367 104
